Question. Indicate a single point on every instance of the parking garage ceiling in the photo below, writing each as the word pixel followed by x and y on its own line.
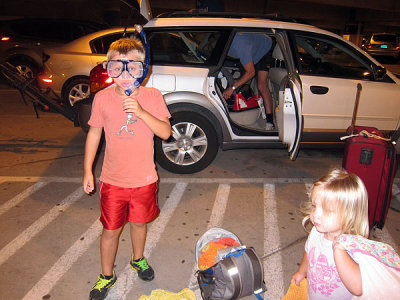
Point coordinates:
pixel 340 16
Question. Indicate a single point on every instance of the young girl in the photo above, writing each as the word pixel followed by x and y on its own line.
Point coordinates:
pixel 338 259
pixel 339 204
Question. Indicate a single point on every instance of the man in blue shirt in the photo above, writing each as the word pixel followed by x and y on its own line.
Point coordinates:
pixel 253 50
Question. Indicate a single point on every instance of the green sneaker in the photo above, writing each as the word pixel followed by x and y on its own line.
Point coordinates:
pixel 100 290
pixel 145 272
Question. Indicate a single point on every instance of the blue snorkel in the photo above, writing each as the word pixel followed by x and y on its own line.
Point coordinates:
pixel 146 64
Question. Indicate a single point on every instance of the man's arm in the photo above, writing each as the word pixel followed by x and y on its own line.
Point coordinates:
pixel 249 73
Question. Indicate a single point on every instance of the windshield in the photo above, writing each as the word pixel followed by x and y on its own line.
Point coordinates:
pixel 387 38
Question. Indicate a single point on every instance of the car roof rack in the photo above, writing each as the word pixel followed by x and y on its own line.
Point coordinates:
pixel 232 15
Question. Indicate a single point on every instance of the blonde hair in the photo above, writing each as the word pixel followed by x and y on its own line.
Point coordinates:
pixel 345 193
pixel 126 45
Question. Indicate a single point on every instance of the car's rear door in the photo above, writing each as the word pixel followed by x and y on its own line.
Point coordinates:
pixel 289 112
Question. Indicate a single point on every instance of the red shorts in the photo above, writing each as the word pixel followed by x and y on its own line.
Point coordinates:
pixel 120 205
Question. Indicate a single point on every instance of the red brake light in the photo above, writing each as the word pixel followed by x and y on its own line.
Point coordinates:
pixel 99 79
pixel 47 80
pixel 5 38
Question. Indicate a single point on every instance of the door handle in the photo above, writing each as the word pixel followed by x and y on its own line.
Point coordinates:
pixel 319 90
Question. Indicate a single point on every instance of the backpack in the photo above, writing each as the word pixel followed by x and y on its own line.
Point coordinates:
pixel 237 273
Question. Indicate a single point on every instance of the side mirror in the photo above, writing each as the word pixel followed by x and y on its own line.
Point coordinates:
pixel 379 72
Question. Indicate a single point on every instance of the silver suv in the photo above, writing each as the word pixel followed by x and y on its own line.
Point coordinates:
pixel 313 83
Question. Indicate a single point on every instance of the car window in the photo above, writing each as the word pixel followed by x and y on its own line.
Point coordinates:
pixel 101 44
pixel 183 47
pixel 322 56
pixel 78 30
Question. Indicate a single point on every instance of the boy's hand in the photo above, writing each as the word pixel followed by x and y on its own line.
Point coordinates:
pixel 131 105
pixel 88 183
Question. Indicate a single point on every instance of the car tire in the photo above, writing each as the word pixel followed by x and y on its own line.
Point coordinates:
pixel 84 110
pixel 25 66
pixel 185 153
pixel 76 90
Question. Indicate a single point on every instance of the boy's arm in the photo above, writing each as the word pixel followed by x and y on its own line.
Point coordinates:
pixel 160 127
pixel 302 271
pixel 92 143
pixel 348 269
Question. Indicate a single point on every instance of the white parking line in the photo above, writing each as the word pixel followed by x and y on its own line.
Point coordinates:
pixel 175 179
pixel 217 215
pixel 37 226
pixel 21 196
pixel 126 280
pixel 64 263
pixel 272 264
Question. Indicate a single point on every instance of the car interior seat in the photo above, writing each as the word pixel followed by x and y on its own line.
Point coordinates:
pixel 277 71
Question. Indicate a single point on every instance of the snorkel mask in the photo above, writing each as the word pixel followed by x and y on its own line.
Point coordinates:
pixel 115 68
pixel 135 69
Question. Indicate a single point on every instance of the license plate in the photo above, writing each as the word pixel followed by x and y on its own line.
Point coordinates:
pixel 384 46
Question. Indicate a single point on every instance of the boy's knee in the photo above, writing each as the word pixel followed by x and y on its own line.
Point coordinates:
pixel 111 234
pixel 138 225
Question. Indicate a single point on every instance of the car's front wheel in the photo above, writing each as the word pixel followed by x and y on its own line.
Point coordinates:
pixel 192 146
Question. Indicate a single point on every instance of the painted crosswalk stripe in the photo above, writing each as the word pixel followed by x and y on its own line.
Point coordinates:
pixel 21 196
pixel 126 280
pixel 37 226
pixel 272 264
pixel 64 263
pixel 217 215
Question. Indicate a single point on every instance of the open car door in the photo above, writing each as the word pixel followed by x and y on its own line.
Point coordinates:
pixel 289 115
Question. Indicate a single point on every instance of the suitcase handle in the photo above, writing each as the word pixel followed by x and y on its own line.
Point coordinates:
pixel 353 119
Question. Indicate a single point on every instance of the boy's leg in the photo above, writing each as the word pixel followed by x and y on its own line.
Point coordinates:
pixel 138 262
pixel 138 238
pixel 108 249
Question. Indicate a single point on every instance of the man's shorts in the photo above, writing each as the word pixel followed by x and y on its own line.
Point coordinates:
pixel 120 205
pixel 265 62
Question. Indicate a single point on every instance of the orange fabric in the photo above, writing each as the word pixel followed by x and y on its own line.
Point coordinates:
pixel 297 292
pixel 209 252
pixel 129 158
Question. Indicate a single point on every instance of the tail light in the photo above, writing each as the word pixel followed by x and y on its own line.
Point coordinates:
pixel 5 38
pixel 99 79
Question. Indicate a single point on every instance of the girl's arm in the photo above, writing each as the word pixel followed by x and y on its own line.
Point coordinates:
pixel 348 269
pixel 302 271
pixel 92 143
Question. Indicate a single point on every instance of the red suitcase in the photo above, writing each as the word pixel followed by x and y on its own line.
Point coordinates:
pixel 372 157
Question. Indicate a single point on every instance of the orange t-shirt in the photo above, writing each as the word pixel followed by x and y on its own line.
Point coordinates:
pixel 129 158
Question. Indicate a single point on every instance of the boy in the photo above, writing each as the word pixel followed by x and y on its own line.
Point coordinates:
pixel 128 181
